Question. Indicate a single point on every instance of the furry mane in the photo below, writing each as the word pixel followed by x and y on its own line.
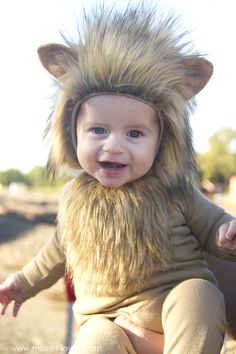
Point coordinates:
pixel 135 52
pixel 105 233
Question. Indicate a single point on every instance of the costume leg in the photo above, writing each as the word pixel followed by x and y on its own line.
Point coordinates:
pixel 193 318
pixel 225 273
pixel 101 335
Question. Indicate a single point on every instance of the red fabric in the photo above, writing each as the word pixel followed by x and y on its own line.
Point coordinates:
pixel 69 289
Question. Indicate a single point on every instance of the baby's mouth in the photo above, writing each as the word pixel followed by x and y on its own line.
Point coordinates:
pixel 111 165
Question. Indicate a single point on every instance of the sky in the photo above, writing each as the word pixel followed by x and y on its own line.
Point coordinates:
pixel 26 88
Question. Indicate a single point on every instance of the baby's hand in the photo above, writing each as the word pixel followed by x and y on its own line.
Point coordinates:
pixel 10 291
pixel 227 236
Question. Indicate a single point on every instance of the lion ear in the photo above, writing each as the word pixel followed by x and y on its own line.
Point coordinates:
pixel 198 72
pixel 56 58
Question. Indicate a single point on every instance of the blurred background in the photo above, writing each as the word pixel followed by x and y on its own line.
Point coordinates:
pixel 27 89
pixel 28 199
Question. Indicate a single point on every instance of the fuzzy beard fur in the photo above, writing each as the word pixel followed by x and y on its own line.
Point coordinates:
pixel 114 237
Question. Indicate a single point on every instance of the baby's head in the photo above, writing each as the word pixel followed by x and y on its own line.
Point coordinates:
pixel 125 91
pixel 117 138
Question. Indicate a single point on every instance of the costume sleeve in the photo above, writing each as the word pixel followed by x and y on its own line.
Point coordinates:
pixel 48 266
pixel 204 219
pixel 44 269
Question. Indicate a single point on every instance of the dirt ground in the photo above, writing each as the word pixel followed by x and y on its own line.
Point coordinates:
pixel 41 323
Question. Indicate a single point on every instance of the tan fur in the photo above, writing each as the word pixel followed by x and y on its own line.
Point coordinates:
pixel 138 53
pixel 114 236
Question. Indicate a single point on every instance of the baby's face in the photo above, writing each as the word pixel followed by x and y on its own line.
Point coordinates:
pixel 117 138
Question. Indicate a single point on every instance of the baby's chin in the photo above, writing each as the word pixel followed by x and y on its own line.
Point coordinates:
pixel 109 182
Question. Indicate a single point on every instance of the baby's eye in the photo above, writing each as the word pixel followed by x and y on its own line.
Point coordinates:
pixel 98 130
pixel 134 133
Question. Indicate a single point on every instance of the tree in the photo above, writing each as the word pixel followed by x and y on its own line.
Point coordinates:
pixel 13 175
pixel 38 177
pixel 219 162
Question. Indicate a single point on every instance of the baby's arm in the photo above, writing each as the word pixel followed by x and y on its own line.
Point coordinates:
pixel 40 273
pixel 206 220
pixel 44 269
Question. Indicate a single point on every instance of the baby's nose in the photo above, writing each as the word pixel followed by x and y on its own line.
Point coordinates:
pixel 114 144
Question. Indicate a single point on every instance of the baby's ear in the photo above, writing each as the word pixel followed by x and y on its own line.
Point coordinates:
pixel 198 72
pixel 56 58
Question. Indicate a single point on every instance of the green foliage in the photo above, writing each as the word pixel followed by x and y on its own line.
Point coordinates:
pixel 13 175
pixel 36 178
pixel 39 178
pixel 219 162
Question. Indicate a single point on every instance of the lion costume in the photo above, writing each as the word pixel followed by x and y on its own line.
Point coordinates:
pixel 135 250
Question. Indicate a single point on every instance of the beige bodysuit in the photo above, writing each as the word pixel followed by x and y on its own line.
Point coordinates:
pixel 193 229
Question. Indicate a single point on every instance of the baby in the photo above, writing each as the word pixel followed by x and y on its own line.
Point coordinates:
pixel 132 226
